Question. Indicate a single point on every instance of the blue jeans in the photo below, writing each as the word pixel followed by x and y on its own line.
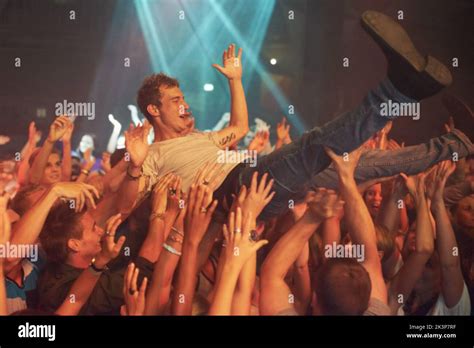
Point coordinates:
pixel 409 160
pixel 295 167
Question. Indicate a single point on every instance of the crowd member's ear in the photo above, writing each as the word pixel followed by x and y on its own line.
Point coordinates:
pixel 153 110
pixel 74 244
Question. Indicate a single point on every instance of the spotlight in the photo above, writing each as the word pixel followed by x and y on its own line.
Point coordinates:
pixel 208 87
pixel 273 61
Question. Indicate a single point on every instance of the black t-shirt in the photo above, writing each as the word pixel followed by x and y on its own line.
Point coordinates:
pixel 57 279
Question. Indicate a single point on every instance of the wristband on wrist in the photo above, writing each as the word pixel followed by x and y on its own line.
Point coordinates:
pixel 85 172
pixel 133 177
pixel 171 249
pixel 175 238
pixel 94 269
pixel 160 216
pixel 177 231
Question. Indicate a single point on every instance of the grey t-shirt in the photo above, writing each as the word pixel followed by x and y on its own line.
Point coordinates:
pixel 377 307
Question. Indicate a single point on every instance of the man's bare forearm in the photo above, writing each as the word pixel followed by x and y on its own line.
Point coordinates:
pixel 152 246
pixel 362 228
pixel 129 190
pixel 187 272
pixel 238 112
pixel 289 246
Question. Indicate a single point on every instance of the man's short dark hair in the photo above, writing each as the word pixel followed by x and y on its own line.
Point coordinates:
pixel 62 224
pixel 342 287
pixel 149 92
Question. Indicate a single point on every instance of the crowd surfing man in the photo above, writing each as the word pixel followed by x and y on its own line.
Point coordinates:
pixel 181 150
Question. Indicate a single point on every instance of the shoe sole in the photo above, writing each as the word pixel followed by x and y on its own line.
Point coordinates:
pixel 391 35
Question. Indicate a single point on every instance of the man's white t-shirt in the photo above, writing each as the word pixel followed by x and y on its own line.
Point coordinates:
pixel 463 307
pixel 184 156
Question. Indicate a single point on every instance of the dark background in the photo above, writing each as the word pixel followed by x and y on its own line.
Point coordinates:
pixel 63 59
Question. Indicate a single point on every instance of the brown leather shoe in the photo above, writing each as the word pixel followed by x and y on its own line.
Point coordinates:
pixel 412 74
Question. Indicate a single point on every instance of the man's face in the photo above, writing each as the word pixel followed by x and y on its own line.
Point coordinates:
pixel 373 199
pixel 174 111
pixel 90 244
pixel 53 171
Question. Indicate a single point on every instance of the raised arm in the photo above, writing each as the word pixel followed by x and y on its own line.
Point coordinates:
pixel 238 250
pixel 23 167
pixel 161 218
pixel 283 133
pixel 359 221
pixel 112 144
pixel 452 282
pixel 160 289
pixel 239 118
pixel 274 292
pixel 404 281
pixel 252 202
pixel 67 159
pixel 136 142
pixel 198 216
pixel 56 131
pixel 28 228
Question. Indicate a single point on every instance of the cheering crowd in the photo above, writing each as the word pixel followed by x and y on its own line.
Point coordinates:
pixel 341 221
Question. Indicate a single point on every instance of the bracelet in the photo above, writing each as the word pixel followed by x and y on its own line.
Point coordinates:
pixel 95 269
pixel 133 177
pixel 171 249
pixel 175 238
pixel 85 172
pixel 177 231
pixel 160 216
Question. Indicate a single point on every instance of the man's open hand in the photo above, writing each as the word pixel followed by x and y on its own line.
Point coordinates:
pixel 232 65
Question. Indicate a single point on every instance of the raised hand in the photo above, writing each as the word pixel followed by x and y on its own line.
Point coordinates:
pixel 283 131
pixel 393 145
pixel 232 65
pixel 105 163
pixel 345 165
pixel 136 142
pixel 415 185
pixel 443 171
pixel 175 197
pixel 258 195
pixel 114 122
pixel 323 204
pixel 259 142
pixel 89 160
pixel 34 135
pixel 110 248
pixel 80 192
pixel 134 299
pixel 210 175
pixel 58 128
pixel 66 138
pixel 199 212
pixel 159 198
pixel 240 239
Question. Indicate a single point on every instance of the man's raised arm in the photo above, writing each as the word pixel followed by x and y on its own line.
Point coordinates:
pixel 239 118
pixel 361 226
